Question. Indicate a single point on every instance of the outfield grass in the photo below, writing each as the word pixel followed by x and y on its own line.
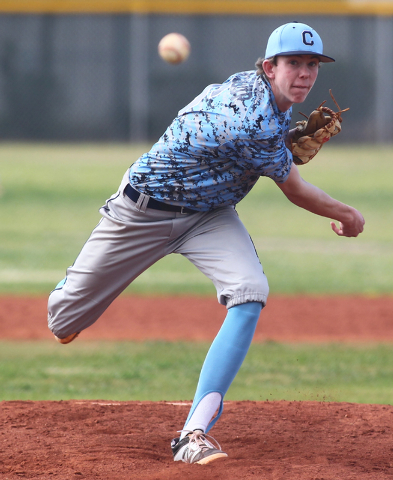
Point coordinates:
pixel 169 371
pixel 51 195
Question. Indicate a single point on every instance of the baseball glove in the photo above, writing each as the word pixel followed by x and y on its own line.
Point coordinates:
pixel 311 134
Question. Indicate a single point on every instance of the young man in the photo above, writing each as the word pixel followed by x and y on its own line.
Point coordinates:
pixel 180 197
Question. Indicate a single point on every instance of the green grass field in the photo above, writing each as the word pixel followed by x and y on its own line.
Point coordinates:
pixel 50 196
pixel 169 371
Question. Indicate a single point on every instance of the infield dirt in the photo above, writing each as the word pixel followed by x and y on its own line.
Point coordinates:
pixel 282 440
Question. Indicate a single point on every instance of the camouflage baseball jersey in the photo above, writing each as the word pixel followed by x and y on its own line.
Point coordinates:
pixel 218 146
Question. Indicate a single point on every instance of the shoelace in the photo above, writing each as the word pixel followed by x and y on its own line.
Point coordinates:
pixel 200 438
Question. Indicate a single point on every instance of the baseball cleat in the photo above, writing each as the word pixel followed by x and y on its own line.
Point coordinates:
pixel 195 448
pixel 68 339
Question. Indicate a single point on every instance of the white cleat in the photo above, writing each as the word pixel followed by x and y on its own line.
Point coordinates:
pixel 196 448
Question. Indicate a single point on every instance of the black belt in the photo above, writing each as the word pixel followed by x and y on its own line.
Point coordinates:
pixel 155 204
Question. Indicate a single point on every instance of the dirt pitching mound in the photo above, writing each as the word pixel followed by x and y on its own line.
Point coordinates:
pixel 130 440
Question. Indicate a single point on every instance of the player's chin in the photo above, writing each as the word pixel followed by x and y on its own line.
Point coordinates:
pixel 300 94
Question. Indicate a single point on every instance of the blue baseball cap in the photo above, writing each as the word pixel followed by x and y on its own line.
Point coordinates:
pixel 295 39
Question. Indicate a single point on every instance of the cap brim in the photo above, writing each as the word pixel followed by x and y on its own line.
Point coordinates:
pixel 323 58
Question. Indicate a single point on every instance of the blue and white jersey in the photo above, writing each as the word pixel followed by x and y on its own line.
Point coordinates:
pixel 218 146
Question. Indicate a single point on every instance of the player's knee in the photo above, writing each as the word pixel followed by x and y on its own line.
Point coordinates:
pixel 253 289
pixel 260 284
pixel 55 322
pixel 256 284
pixel 60 320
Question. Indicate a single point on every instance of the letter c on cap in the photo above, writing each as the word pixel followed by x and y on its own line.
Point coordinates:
pixel 305 41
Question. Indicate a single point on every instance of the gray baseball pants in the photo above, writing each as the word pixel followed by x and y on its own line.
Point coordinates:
pixel 130 238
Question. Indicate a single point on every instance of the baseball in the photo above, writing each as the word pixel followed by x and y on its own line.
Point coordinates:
pixel 174 48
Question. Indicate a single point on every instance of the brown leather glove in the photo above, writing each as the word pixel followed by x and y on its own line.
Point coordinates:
pixel 322 124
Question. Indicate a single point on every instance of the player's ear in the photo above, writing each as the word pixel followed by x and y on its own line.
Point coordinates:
pixel 268 68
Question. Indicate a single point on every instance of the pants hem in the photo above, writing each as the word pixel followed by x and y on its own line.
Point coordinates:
pixel 246 298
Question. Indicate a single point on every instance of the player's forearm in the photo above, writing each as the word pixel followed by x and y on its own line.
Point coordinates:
pixel 316 201
pixel 311 198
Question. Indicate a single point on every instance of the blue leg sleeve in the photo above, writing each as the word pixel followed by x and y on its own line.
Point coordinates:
pixel 227 353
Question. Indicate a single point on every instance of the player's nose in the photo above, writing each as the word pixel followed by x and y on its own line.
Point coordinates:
pixel 304 71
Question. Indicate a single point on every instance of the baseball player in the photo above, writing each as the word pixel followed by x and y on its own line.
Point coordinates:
pixel 180 197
